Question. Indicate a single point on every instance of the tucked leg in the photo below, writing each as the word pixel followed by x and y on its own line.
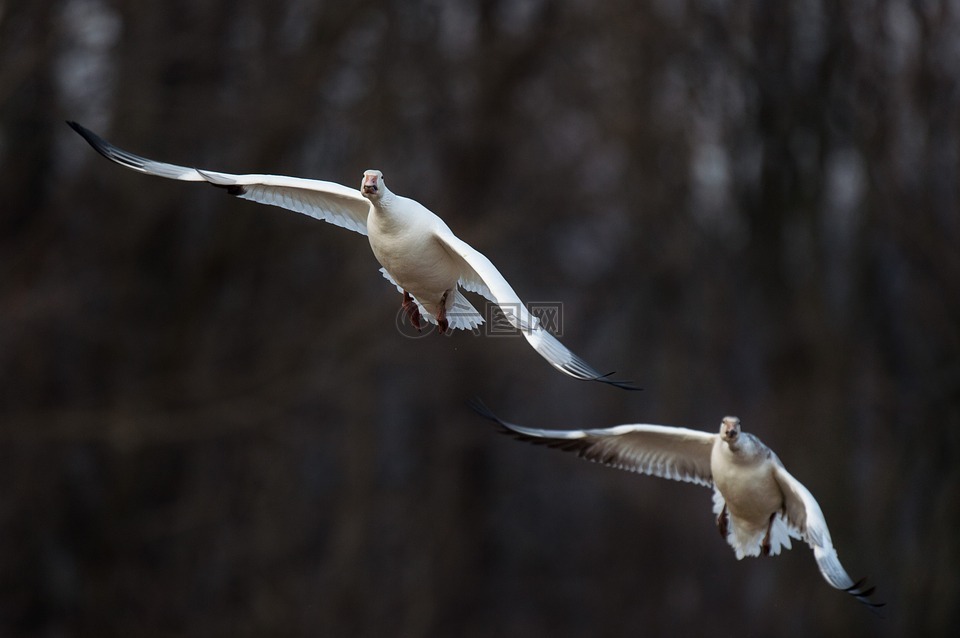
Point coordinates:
pixel 723 521
pixel 410 307
pixel 442 324
pixel 765 547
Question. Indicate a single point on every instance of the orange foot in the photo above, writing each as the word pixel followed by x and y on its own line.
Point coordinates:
pixel 765 547
pixel 410 308
pixel 442 324
pixel 722 521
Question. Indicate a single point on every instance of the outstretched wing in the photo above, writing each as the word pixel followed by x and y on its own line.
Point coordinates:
pixel 478 274
pixel 327 201
pixel 673 453
pixel 803 513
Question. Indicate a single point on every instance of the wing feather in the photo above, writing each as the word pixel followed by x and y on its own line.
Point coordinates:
pixel 803 514
pixel 678 454
pixel 478 274
pixel 326 201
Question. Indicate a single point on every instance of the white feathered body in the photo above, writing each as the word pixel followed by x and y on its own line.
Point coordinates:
pixel 744 480
pixel 419 253
pixel 404 243
pixel 747 477
pixel 403 235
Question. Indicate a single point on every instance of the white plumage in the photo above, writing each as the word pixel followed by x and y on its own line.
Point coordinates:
pixel 759 505
pixel 418 252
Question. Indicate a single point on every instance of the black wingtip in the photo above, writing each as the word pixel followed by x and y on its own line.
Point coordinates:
pixel 862 594
pixel 481 408
pixel 91 137
pixel 617 383
pixel 99 144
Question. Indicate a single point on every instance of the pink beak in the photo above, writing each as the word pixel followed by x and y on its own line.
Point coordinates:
pixel 729 429
pixel 370 184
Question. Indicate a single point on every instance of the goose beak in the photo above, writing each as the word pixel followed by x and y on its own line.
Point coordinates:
pixel 731 428
pixel 370 186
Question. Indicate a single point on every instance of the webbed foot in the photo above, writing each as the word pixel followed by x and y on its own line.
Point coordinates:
pixel 410 308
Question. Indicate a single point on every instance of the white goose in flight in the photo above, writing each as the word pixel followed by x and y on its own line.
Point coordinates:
pixel 759 505
pixel 420 255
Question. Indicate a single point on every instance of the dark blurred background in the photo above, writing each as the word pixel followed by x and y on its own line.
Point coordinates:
pixel 211 426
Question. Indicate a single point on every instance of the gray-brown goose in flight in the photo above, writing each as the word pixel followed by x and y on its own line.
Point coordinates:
pixel 419 253
pixel 758 503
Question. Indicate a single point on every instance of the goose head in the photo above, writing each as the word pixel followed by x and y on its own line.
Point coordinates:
pixel 372 186
pixel 730 429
